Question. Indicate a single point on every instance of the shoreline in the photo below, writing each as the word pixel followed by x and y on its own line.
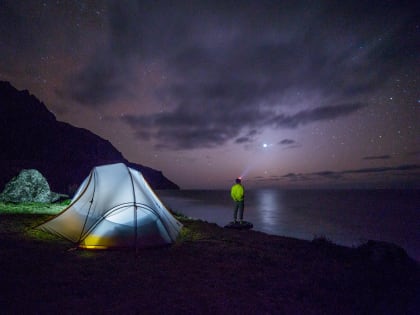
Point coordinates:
pixel 346 218
pixel 208 270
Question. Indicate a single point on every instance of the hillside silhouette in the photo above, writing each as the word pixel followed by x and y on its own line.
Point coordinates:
pixel 31 137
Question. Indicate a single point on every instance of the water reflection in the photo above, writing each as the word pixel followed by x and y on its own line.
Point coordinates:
pixel 275 214
pixel 345 217
pixel 268 206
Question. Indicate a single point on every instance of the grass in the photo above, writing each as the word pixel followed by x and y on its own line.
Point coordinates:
pixel 208 270
pixel 33 207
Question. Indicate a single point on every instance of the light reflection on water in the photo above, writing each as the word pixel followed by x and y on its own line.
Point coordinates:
pixel 268 204
pixel 345 217
pixel 269 212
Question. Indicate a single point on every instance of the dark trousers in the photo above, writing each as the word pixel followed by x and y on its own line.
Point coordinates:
pixel 239 207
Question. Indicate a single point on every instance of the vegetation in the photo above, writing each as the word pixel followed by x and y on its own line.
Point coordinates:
pixel 208 270
pixel 33 207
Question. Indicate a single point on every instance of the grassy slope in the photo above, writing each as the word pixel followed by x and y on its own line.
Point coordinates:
pixel 208 270
pixel 32 208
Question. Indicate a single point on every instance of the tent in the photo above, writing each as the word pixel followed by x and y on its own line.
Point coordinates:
pixel 115 207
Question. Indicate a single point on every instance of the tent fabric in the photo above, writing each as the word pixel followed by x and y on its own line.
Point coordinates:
pixel 115 207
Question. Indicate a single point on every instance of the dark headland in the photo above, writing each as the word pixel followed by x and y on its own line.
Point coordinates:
pixel 32 138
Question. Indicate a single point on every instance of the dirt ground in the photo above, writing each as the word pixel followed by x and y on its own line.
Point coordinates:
pixel 209 270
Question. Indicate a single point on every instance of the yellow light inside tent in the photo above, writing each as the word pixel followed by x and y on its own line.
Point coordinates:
pixel 94 242
pixel 93 247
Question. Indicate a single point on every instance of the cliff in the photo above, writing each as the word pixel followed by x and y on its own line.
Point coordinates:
pixel 31 137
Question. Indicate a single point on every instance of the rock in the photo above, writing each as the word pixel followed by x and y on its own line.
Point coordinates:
pixel 28 186
pixel 379 251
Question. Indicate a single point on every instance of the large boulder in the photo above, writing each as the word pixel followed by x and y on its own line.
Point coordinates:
pixel 28 186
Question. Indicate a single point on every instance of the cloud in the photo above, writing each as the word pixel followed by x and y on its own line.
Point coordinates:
pixel 406 167
pixel 96 86
pixel 232 68
pixel 329 175
pixel 413 153
pixel 341 174
pixel 377 157
pixel 243 140
pixel 313 115
pixel 296 177
pixel 402 176
pixel 287 142
pixel 188 128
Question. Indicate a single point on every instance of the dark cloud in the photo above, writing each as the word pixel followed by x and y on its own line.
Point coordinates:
pixel 96 86
pixel 312 115
pixel 296 177
pixel 401 173
pixel 248 138
pixel 230 67
pixel 256 50
pixel 287 141
pixel 237 77
pixel 341 174
pixel 329 175
pixel 187 127
pixel 413 153
pixel 377 157
pixel 289 144
pixel 408 167
pixel 243 140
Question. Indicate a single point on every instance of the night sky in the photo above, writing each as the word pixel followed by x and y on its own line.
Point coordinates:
pixel 285 93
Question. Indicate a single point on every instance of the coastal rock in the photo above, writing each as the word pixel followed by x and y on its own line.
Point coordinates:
pixel 28 186
pixel 378 251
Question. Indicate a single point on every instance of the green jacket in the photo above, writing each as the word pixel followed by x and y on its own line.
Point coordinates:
pixel 237 192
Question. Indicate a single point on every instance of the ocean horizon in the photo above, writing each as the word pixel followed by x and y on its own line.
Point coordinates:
pixel 345 217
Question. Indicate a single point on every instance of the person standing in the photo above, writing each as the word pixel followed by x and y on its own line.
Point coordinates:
pixel 237 194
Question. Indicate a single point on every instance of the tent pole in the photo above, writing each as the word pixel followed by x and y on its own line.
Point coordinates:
pixel 135 208
pixel 135 226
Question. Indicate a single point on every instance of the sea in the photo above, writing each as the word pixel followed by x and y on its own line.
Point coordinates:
pixel 345 217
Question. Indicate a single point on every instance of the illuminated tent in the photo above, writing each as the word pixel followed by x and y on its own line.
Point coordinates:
pixel 115 207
